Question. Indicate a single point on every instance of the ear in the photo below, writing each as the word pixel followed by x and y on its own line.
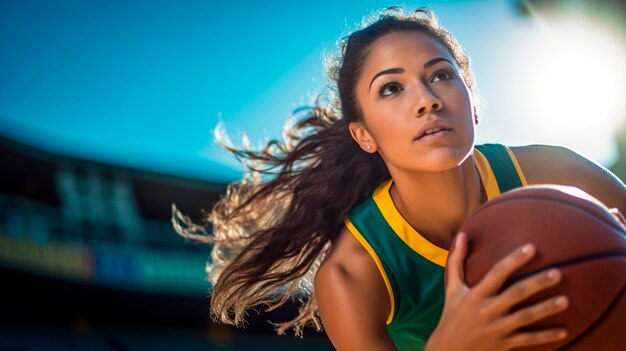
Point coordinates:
pixel 475 116
pixel 362 137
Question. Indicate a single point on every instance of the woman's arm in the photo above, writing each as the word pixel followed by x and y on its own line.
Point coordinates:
pixel 354 304
pixel 352 298
pixel 543 164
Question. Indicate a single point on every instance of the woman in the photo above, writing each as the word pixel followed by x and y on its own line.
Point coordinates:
pixel 366 195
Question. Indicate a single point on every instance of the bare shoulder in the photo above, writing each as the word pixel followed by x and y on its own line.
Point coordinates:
pixel 545 164
pixel 352 298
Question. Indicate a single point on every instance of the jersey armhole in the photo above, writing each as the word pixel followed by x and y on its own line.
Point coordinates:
pixel 381 269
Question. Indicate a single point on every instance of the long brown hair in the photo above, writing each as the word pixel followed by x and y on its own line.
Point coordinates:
pixel 272 229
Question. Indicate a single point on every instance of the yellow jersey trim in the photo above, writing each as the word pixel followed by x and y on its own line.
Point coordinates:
pixel 403 229
pixel 517 167
pixel 408 234
pixel 488 178
pixel 369 249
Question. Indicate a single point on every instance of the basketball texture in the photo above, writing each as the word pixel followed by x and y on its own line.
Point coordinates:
pixel 572 231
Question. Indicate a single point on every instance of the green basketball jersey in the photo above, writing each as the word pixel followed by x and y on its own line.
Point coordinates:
pixel 411 266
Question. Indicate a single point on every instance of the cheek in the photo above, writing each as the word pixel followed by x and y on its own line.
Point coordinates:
pixel 387 127
pixel 459 102
pixel 465 97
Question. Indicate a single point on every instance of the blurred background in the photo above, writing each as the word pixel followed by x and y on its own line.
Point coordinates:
pixel 107 112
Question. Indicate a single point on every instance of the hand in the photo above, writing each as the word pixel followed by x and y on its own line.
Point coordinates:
pixel 479 318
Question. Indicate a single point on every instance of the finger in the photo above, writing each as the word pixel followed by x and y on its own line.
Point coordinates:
pixel 455 266
pixel 523 289
pixel 536 338
pixel 498 274
pixel 532 314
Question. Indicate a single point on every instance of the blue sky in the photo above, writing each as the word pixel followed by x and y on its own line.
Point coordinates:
pixel 144 83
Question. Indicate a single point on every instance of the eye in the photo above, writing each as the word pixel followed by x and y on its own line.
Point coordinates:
pixel 389 89
pixel 443 74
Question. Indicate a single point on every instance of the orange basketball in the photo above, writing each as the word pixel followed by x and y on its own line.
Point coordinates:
pixel 572 231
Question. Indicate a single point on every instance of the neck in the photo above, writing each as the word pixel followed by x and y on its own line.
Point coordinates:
pixel 436 204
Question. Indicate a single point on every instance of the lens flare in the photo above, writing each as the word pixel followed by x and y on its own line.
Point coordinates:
pixel 571 84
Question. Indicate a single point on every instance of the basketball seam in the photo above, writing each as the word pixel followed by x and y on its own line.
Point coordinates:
pixel 596 322
pixel 615 224
pixel 569 262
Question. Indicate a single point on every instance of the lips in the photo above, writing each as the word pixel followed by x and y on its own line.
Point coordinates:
pixel 432 127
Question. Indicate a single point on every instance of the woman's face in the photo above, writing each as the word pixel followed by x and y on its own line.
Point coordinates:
pixel 418 113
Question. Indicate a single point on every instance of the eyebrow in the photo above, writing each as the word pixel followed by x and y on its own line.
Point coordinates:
pixel 387 71
pixel 436 60
pixel 401 70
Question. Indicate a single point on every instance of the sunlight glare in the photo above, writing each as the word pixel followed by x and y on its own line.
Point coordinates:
pixel 571 86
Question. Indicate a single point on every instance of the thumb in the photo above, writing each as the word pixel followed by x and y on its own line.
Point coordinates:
pixel 455 268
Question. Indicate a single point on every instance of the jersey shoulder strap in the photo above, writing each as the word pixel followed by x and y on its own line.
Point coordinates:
pixel 502 166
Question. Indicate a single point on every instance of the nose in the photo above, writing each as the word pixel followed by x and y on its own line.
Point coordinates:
pixel 428 103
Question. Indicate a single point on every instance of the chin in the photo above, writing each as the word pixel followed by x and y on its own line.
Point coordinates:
pixel 447 158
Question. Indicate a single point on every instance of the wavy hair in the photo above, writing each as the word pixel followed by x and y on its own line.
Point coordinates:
pixel 272 229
